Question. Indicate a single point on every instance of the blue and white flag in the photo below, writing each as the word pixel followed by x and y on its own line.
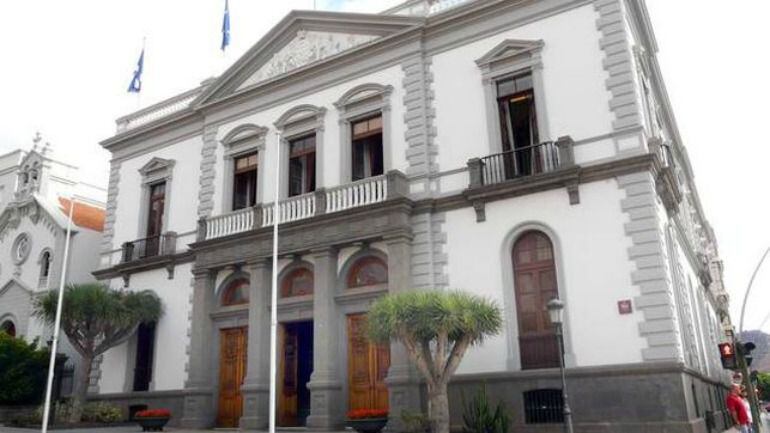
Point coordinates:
pixel 226 27
pixel 136 81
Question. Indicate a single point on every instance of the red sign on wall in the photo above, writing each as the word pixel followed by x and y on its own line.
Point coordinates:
pixel 624 307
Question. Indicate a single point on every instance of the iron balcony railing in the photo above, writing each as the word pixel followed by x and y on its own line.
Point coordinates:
pixel 521 162
pixel 149 247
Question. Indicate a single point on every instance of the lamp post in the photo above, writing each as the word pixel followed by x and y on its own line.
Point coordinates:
pixel 555 312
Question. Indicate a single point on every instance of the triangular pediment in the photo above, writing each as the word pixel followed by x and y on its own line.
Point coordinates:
pixel 156 165
pixel 302 40
pixel 508 49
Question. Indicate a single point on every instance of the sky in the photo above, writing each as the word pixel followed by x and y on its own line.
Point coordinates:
pixel 66 66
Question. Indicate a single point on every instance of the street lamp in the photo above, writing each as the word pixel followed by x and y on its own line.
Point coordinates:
pixel 555 312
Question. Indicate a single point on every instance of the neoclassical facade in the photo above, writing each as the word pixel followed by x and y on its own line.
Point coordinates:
pixel 521 151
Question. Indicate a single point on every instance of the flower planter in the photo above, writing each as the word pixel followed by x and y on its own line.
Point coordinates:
pixel 152 423
pixel 367 425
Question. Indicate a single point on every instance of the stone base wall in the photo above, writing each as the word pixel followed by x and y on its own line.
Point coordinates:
pixel 171 400
pixel 9 412
pixel 637 398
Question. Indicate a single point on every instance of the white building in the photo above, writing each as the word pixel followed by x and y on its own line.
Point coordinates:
pixel 35 200
pixel 517 150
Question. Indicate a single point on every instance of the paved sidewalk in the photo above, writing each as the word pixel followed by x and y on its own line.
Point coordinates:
pixel 125 429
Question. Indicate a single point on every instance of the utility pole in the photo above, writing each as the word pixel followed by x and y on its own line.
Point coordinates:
pixel 740 356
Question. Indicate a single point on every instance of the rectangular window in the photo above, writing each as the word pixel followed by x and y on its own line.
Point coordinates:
pixel 245 181
pixel 156 208
pixel 302 165
pixel 367 154
pixel 518 125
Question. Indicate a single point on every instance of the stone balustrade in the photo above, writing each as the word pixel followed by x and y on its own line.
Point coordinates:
pixel 360 193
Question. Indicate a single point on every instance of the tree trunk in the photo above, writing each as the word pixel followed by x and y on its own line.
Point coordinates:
pixel 80 388
pixel 438 408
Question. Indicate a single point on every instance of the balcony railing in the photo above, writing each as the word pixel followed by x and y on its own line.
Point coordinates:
pixel 522 162
pixel 149 247
pixel 223 225
pixel 292 209
pixel 361 193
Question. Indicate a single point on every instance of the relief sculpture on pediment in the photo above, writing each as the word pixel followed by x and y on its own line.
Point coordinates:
pixel 306 48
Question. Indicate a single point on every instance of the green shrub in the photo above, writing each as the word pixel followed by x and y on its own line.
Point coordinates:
pixel 415 422
pixel 102 412
pixel 478 416
pixel 23 371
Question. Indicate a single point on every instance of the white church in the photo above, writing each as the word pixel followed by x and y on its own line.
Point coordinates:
pixel 518 150
pixel 36 196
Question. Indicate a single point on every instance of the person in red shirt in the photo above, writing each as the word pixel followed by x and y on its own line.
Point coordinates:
pixel 737 409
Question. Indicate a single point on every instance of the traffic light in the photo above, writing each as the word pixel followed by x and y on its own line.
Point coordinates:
pixel 727 354
pixel 747 348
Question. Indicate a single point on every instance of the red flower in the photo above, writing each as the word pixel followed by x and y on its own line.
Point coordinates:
pixel 153 413
pixel 367 413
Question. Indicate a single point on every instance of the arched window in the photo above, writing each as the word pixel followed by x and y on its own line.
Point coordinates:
pixel 45 264
pixel 535 284
pixel 367 271
pixel 236 293
pixel 9 328
pixel 298 282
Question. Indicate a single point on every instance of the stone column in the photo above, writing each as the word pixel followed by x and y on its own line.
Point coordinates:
pixel 199 393
pixel 402 380
pixel 256 384
pixel 326 402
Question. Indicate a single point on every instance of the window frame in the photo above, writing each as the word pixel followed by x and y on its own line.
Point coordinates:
pixel 303 156
pixel 242 140
pixel 509 59
pixel 299 122
pixel 224 302
pixel 360 103
pixel 290 272
pixel 156 171
pixel 358 263
pixel 236 172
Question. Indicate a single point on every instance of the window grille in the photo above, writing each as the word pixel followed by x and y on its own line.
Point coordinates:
pixel 543 406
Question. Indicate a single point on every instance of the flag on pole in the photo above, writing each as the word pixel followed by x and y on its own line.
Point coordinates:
pixel 136 81
pixel 226 27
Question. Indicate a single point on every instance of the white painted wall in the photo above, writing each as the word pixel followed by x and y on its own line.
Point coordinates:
pixel 171 337
pixel 576 99
pixel 182 195
pixel 592 266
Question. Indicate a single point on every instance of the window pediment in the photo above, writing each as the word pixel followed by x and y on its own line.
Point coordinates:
pixel 303 116
pixel 157 168
pixel 364 94
pixel 510 50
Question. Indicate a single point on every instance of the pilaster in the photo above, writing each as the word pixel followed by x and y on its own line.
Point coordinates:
pixel 199 398
pixel 402 381
pixel 326 402
pixel 256 384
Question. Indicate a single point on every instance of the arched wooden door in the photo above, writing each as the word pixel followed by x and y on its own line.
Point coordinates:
pixel 535 284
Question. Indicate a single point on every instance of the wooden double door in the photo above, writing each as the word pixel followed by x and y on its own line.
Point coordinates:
pixel 368 365
pixel 232 370
pixel 535 285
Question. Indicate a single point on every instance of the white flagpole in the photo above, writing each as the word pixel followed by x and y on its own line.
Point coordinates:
pixel 274 290
pixel 57 322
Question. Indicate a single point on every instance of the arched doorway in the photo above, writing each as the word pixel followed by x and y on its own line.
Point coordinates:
pixel 9 328
pixel 368 363
pixel 535 284
pixel 232 356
